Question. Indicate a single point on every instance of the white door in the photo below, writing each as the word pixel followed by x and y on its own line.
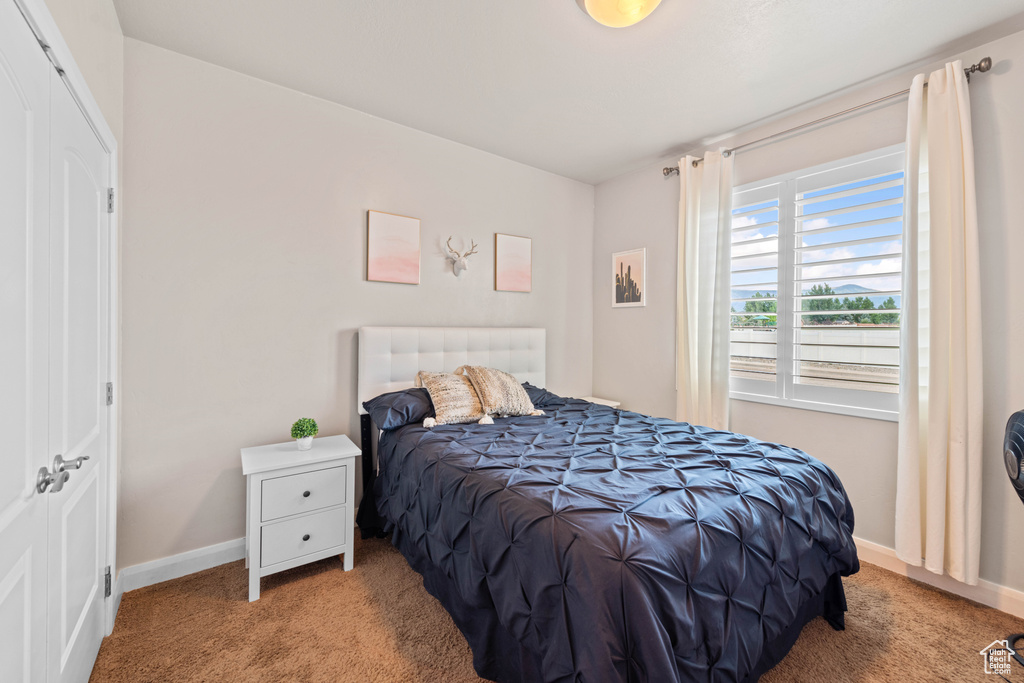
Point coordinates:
pixel 78 372
pixel 24 195
pixel 54 275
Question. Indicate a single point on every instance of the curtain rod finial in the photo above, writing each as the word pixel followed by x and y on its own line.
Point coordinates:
pixel 984 65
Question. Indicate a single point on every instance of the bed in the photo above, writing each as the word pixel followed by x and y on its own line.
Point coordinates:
pixel 596 544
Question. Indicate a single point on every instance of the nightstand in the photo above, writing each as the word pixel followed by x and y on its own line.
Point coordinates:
pixel 300 505
pixel 602 401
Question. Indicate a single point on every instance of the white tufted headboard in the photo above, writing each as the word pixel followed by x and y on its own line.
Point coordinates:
pixel 390 357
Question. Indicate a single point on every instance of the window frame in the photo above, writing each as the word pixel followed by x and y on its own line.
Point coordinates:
pixel 787 393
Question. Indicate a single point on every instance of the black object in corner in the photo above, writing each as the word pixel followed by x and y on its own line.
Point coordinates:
pixel 1013 452
pixel 371 524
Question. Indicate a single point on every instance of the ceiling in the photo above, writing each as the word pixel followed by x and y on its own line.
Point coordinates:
pixel 539 82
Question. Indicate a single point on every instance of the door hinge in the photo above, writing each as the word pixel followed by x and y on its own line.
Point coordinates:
pixel 110 200
pixel 110 393
pixel 106 583
pixel 48 51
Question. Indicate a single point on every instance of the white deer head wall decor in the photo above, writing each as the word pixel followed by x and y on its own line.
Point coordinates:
pixel 460 262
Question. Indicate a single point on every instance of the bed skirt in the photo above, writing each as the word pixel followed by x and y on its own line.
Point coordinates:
pixel 498 656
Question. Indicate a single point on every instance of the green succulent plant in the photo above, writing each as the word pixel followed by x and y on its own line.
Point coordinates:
pixel 304 427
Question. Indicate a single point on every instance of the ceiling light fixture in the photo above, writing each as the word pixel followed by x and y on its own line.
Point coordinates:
pixel 618 13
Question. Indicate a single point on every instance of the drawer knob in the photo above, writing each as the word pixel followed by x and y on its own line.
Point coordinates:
pixel 306 537
pixel 305 494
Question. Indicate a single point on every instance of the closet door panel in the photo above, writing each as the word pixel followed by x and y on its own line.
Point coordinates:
pixel 79 296
pixel 82 229
pixel 24 203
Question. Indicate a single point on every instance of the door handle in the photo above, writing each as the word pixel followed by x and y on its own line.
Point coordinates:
pixel 60 474
pixel 62 465
pixel 45 478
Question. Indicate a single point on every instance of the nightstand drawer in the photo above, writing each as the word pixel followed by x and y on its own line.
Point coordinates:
pixel 301 536
pixel 299 493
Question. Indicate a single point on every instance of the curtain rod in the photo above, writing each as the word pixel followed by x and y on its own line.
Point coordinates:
pixel 981 67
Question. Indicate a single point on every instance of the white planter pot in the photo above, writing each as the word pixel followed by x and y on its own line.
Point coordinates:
pixel 305 443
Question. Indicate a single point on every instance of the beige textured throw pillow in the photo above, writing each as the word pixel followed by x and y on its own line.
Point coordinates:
pixel 500 393
pixel 455 401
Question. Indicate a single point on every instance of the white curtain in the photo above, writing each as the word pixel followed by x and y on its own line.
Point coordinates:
pixel 702 297
pixel 938 488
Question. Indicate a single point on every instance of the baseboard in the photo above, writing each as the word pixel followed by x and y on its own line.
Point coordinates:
pixel 176 566
pixel 987 593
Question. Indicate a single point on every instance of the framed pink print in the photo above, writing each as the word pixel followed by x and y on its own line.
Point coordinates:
pixel 513 263
pixel 392 248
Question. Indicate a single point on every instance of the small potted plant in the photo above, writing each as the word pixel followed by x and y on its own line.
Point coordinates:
pixel 304 430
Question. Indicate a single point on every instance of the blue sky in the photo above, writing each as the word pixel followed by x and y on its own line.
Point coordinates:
pixel 888 224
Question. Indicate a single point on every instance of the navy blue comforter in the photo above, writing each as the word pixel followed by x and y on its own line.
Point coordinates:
pixel 613 546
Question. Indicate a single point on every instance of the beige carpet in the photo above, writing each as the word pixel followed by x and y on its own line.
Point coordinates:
pixel 377 623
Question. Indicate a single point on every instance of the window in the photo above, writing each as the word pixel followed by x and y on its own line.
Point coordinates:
pixel 816 278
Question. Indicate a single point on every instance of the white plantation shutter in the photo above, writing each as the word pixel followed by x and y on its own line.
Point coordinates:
pixel 816 278
pixel 753 338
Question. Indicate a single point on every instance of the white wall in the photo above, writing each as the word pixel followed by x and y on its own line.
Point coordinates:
pixel 93 34
pixel 640 210
pixel 243 269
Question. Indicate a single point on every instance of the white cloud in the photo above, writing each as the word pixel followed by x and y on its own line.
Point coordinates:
pixel 742 249
pixel 738 245
pixel 890 283
pixel 829 254
pixel 835 273
pixel 815 224
pixel 872 267
pixel 769 249
pixel 743 222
